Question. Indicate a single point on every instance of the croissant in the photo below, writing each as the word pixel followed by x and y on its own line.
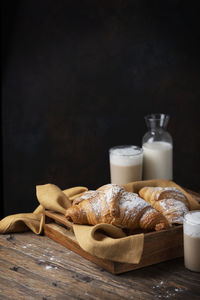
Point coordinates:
pixel 113 205
pixel 170 201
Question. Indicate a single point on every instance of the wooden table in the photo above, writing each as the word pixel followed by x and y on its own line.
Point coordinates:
pixel 36 267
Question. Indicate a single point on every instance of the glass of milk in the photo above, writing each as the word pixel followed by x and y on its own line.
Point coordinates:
pixel 125 164
pixel 191 229
pixel 157 147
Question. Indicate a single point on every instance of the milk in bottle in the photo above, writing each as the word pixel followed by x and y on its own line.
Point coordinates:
pixel 157 149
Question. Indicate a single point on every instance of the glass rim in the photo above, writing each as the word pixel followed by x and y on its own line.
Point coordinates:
pixel 156 116
pixel 189 221
pixel 140 150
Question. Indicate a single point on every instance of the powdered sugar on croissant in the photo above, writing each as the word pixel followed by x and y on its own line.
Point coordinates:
pixel 170 201
pixel 112 204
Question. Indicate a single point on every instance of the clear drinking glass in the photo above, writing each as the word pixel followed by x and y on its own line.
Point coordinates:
pixel 191 229
pixel 125 164
pixel 157 147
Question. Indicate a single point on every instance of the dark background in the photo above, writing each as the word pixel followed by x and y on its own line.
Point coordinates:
pixel 78 78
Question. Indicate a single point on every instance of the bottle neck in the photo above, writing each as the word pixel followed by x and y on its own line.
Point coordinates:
pixel 157 122
pixel 156 130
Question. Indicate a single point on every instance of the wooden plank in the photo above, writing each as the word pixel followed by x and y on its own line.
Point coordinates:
pixel 59 218
pixel 36 265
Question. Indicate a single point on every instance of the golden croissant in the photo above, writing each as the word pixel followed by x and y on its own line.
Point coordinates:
pixel 170 201
pixel 113 205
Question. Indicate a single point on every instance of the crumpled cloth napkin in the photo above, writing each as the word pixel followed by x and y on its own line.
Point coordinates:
pixel 102 240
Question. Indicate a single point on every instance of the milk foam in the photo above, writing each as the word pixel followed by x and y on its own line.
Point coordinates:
pixel 192 224
pixel 126 156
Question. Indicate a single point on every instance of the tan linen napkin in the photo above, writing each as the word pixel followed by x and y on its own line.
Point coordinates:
pixel 22 222
pixel 50 197
pixel 110 242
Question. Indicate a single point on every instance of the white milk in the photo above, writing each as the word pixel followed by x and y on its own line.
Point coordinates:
pixel 157 160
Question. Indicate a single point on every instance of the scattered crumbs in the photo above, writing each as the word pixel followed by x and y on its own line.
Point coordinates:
pixel 48 267
pixel 52 258
pixel 165 291
pixel 24 247
pixel 40 261
pixel 178 290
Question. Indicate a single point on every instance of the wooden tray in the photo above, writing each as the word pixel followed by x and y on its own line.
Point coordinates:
pixel 158 246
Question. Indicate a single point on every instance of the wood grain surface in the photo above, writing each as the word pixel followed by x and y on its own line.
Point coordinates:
pixel 36 267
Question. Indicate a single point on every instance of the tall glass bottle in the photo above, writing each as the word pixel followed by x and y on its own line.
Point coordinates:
pixel 157 147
